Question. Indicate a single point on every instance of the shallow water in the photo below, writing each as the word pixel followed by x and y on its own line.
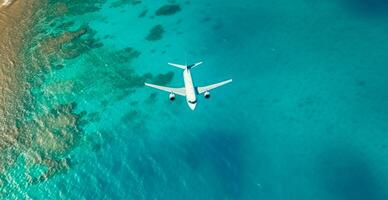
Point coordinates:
pixel 305 117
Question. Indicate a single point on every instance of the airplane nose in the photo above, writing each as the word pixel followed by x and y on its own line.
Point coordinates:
pixel 192 106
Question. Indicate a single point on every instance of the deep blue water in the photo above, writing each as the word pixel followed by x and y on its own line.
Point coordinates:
pixel 305 118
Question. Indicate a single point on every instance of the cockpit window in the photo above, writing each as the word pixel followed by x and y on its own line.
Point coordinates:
pixel 193 101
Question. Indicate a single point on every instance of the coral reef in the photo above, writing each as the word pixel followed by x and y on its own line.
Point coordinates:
pixel 156 33
pixel 168 10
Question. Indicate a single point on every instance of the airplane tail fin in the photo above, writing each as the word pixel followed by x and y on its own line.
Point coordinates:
pixel 185 66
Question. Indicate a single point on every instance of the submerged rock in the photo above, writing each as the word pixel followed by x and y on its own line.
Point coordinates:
pixel 119 3
pixel 168 10
pixel 143 14
pixel 156 33
pixel 163 79
pixel 54 44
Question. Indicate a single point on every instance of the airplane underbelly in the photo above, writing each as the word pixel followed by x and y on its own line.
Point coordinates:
pixel 190 90
pixel 191 97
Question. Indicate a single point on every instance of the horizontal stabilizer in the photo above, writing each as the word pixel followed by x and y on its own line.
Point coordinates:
pixel 178 65
pixel 184 66
pixel 194 65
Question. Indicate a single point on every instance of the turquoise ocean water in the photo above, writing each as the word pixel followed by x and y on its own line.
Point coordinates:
pixel 305 118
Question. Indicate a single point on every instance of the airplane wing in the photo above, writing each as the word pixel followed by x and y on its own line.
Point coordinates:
pixel 210 87
pixel 178 91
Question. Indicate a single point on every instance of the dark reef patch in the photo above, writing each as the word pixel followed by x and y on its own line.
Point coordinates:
pixel 98 140
pixel 126 55
pixel 115 81
pixel 61 9
pixel 74 50
pixel 70 7
pixel 347 174
pixel 54 43
pixel 168 10
pixel 217 27
pixel 151 98
pixel 360 83
pixel 66 25
pixel 143 13
pixel 220 151
pixel 54 167
pixel 369 8
pixel 119 3
pixel 47 137
pixel 93 117
pixel 58 67
pixel 156 33
pixel 163 79
pixel 67 45
pixel 206 19
pixel 130 116
pixel 134 103
pixel 60 132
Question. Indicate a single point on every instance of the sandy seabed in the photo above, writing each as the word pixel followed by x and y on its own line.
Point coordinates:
pixel 15 20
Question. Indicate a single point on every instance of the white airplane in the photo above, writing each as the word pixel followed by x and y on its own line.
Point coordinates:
pixel 190 90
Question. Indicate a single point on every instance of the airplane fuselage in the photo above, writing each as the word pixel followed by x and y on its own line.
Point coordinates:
pixel 191 94
pixel 190 91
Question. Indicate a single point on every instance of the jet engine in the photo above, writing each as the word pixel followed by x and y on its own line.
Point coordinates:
pixel 207 94
pixel 172 96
